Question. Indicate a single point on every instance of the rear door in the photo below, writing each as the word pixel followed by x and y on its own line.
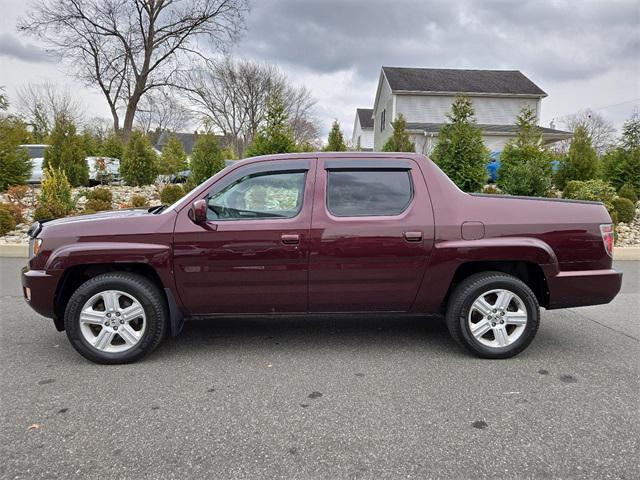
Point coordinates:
pixel 251 256
pixel 371 235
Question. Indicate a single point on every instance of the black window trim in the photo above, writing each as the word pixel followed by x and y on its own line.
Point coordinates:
pixel 387 168
pixel 263 172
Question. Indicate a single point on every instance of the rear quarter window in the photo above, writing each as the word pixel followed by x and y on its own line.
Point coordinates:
pixel 358 193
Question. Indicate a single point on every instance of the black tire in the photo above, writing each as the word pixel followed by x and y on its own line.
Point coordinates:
pixel 468 291
pixel 145 291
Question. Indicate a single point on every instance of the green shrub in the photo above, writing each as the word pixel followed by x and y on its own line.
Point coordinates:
pixel 594 190
pixel 15 210
pixel 102 194
pixel 138 201
pixel 7 222
pixel 66 152
pixel 55 200
pixel 625 209
pixel 171 194
pixel 460 152
pixel 189 185
pixel 173 158
pixel 627 191
pixel 15 166
pixel 525 165
pixel 491 190
pixel 622 166
pixel 139 165
pixel 581 163
pixel 96 205
pixel 276 135
pixel 207 159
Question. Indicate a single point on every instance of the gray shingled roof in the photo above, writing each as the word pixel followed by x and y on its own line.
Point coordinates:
pixel 188 140
pixel 486 128
pixel 365 115
pixel 507 82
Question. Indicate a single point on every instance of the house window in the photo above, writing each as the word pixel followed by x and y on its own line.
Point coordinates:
pixel 383 119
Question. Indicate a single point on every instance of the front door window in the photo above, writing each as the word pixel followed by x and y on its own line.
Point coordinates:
pixel 259 196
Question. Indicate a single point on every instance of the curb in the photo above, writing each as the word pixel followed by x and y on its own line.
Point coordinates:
pixel 14 250
pixel 626 253
pixel 21 250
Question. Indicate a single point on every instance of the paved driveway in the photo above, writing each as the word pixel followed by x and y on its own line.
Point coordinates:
pixel 352 397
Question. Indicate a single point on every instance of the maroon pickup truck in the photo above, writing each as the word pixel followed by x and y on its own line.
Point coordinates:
pixel 321 233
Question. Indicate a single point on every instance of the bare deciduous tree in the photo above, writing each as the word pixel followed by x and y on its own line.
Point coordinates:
pixel 42 103
pixel 129 47
pixel 231 95
pixel 161 111
pixel 600 130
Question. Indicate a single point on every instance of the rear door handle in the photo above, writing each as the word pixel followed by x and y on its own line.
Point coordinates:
pixel 290 239
pixel 413 236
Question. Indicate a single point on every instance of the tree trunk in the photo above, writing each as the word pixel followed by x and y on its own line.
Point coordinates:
pixel 116 119
pixel 130 116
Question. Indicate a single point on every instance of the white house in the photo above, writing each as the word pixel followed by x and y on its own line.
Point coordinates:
pixel 424 97
pixel 363 130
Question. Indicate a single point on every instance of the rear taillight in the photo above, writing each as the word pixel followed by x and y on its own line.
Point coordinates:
pixel 607 237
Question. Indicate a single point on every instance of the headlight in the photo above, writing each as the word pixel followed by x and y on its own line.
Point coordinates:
pixel 37 243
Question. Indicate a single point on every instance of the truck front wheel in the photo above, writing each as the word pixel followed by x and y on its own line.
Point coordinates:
pixel 493 315
pixel 116 318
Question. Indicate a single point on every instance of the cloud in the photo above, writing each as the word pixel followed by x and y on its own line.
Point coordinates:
pixel 554 42
pixel 12 47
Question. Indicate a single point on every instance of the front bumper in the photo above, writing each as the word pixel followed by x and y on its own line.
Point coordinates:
pixel 39 290
pixel 581 288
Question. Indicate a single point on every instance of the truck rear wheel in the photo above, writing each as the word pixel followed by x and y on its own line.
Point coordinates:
pixel 493 315
pixel 116 318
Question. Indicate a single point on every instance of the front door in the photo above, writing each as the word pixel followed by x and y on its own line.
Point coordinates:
pixel 371 235
pixel 251 256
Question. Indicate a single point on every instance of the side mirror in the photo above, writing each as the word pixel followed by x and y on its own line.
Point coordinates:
pixel 198 211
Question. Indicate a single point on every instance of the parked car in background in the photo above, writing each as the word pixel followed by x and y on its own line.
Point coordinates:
pixel 183 176
pixel 36 154
pixel 103 170
pixel 321 233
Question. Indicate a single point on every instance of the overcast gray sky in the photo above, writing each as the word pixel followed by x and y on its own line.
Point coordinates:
pixel 582 53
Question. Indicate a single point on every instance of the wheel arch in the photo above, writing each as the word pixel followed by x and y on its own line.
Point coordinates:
pixel 76 275
pixel 530 273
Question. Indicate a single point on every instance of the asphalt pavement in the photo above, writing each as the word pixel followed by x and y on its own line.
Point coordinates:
pixel 324 397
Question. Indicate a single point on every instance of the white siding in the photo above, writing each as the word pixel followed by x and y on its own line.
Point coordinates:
pixel 426 144
pixel 489 110
pixel 495 143
pixel 366 135
pixel 385 102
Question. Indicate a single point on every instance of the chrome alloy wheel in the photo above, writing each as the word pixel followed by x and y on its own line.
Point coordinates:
pixel 112 321
pixel 497 318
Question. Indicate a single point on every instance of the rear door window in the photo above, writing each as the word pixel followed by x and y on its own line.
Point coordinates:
pixel 358 192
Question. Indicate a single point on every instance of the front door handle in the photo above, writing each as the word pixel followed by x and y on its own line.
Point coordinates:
pixel 413 236
pixel 290 239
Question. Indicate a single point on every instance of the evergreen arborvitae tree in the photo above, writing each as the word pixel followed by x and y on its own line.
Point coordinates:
pixel 139 165
pixel 460 151
pixel 275 136
pixel 335 142
pixel 112 147
pixel 581 162
pixel 173 158
pixel 399 140
pixel 15 166
pixel 66 151
pixel 622 165
pixel 525 164
pixel 207 158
